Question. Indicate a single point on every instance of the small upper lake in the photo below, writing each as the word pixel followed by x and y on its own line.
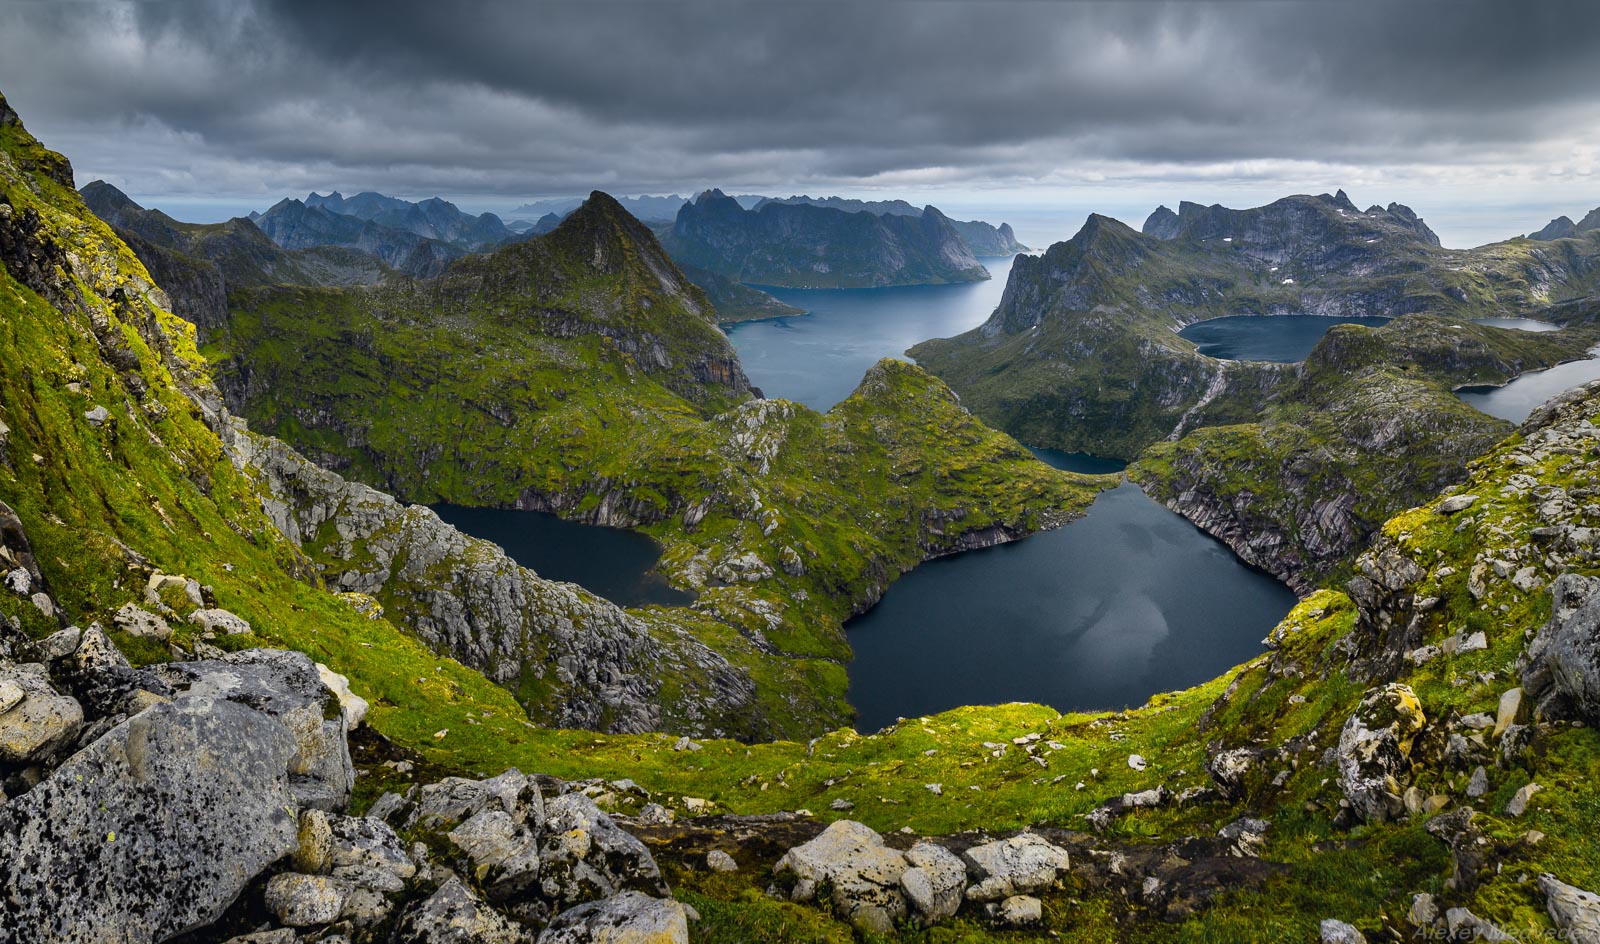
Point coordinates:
pixel 820 357
pixel 1517 399
pixel 608 562
pixel 1282 338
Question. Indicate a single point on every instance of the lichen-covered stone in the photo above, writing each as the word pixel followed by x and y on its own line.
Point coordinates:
pixel 584 855
pixel 1021 864
pixel 153 829
pixel 1374 752
pixel 454 914
pixel 862 873
pixel 35 720
pixel 628 918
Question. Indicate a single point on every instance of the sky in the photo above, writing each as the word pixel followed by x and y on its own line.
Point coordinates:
pixel 1479 115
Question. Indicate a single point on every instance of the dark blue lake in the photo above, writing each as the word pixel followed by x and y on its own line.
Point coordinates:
pixel 1517 399
pixel 818 358
pixel 1282 338
pixel 1129 601
pixel 608 562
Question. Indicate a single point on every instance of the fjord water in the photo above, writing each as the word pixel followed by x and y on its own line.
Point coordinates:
pixel 818 358
pixel 608 562
pixel 1127 602
pixel 1282 338
pixel 1517 399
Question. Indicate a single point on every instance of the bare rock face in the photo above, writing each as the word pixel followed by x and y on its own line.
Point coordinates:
pixel 151 830
pixel 863 873
pixel 285 686
pixel 1563 673
pixel 1374 751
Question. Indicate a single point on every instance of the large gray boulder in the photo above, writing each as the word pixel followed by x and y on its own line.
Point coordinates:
pixel 456 915
pixel 1563 673
pixel 284 685
pixel 502 854
pixel 862 872
pixel 454 800
pixel 1016 866
pixel 935 882
pixel 150 831
pixel 1374 752
pixel 584 855
pixel 628 918
pixel 35 720
pixel 1575 911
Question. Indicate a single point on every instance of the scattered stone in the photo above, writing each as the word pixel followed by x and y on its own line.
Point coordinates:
pixel 1020 911
pixel 137 621
pixel 1338 932
pixel 183 804
pixel 1563 672
pixel 504 856
pixel 1137 762
pixel 1247 834
pixel 719 861
pixel 301 901
pixel 937 789
pixel 219 621
pixel 863 873
pixel 1423 912
pixel 628 918
pixel 584 855
pixel 1510 711
pixel 1019 865
pixel 1374 752
pixel 841 804
pixel 1519 803
pixel 1466 926
pixel 97 416
pixel 285 686
pixel 1456 503
pixel 315 854
pixel 1479 784
pixel 1575 911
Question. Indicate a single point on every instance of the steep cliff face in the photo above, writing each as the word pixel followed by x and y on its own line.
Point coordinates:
pixel 1367 426
pixel 798 245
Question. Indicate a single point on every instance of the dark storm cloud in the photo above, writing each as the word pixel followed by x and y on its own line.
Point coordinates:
pixel 479 97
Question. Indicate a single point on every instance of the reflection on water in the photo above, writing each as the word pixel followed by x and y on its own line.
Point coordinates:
pixel 1518 398
pixel 1127 602
pixel 1282 338
pixel 608 562
pixel 818 358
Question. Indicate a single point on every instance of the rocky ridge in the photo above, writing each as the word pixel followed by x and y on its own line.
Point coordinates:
pixel 804 246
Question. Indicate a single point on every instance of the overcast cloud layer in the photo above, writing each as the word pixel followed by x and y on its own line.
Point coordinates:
pixel 1481 114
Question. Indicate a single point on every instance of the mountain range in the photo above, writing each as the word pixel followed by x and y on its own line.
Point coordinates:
pixel 1562 227
pixel 803 246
